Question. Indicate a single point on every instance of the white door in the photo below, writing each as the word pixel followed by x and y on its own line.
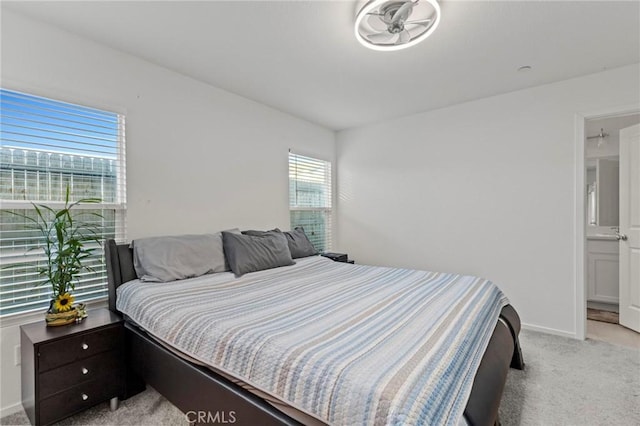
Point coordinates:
pixel 629 235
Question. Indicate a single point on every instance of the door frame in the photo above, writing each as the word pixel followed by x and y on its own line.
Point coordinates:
pixel 580 254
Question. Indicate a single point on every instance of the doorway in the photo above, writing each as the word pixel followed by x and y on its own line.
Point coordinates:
pixel 599 221
pixel 597 225
pixel 602 168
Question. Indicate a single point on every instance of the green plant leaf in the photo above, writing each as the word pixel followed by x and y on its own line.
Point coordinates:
pixel 65 243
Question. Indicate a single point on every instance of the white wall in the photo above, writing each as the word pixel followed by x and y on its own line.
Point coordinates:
pixel 198 158
pixel 484 188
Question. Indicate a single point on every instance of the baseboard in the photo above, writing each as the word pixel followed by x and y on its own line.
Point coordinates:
pixel 547 330
pixel 610 307
pixel 11 409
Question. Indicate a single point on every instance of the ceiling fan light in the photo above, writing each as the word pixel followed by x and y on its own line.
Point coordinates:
pixel 364 37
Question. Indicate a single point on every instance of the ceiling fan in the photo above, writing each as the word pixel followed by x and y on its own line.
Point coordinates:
pixel 396 24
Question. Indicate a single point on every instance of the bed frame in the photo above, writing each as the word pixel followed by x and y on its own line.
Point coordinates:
pixel 202 394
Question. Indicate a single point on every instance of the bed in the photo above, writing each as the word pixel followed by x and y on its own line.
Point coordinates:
pixel 349 368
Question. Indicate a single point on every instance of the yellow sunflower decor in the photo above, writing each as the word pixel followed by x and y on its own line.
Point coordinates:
pixel 63 303
pixel 62 311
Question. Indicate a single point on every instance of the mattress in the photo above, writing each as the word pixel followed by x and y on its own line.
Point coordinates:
pixel 345 344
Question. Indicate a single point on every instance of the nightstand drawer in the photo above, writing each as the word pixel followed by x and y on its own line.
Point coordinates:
pixel 104 364
pixel 77 398
pixel 71 349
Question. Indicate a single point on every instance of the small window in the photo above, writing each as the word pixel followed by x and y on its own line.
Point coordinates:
pixel 47 145
pixel 310 198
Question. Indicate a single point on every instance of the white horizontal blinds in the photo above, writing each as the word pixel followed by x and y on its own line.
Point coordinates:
pixel 47 145
pixel 310 198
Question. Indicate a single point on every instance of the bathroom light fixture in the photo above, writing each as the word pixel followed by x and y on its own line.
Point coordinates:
pixel 396 24
pixel 600 137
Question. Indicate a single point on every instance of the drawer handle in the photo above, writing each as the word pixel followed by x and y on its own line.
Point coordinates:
pixel 85 346
pixel 84 370
pixel 85 396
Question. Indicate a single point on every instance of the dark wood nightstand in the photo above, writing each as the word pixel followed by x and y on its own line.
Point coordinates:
pixel 70 368
pixel 338 257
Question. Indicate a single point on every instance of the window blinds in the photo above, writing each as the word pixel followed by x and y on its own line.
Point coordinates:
pixel 47 145
pixel 310 198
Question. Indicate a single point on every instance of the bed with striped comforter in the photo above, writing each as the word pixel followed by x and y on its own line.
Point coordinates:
pixel 347 344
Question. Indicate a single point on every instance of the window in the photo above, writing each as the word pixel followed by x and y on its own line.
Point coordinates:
pixel 310 198
pixel 46 146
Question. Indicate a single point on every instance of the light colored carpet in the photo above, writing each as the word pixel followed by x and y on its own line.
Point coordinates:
pixel 148 408
pixel 566 382
pixel 604 316
pixel 572 382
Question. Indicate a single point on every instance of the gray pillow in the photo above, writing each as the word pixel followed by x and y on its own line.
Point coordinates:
pixel 255 233
pixel 299 243
pixel 297 240
pixel 163 259
pixel 248 253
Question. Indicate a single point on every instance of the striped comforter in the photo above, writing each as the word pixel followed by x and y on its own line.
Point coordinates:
pixel 348 344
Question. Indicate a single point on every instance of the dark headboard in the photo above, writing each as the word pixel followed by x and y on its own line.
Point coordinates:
pixel 119 260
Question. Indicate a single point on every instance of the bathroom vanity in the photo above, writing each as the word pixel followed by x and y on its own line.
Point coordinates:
pixel 602 269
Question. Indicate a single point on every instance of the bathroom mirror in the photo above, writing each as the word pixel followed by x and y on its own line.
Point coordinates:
pixel 602 192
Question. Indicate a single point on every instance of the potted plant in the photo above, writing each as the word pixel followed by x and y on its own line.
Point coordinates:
pixel 65 237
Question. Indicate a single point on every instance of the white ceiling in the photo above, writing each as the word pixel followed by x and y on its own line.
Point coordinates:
pixel 302 58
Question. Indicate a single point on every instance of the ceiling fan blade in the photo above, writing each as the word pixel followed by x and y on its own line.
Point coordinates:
pixel 424 22
pixel 376 23
pixel 380 16
pixel 403 12
pixel 403 37
pixel 379 37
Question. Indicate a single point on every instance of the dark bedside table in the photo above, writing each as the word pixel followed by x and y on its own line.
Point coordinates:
pixel 338 257
pixel 70 368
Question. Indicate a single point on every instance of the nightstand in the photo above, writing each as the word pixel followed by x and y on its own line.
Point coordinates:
pixel 70 368
pixel 338 257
